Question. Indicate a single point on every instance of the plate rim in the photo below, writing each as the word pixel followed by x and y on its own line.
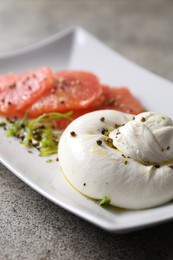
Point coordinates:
pixel 40 43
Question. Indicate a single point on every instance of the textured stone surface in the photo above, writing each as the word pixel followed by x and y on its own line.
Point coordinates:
pixel 32 227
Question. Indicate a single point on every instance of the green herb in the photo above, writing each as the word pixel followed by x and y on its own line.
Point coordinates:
pixel 38 132
pixel 104 201
pixel 13 129
pixel 2 124
pixel 162 117
pixel 49 161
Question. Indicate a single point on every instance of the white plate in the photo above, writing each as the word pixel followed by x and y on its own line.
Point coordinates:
pixel 74 48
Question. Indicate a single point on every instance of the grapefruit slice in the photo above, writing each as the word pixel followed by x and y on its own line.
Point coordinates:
pixel 74 90
pixel 19 91
pixel 119 98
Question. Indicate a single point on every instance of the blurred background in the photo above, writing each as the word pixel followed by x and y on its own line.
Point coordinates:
pixel 32 227
pixel 140 30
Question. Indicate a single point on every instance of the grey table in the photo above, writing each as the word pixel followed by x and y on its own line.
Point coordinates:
pixel 32 227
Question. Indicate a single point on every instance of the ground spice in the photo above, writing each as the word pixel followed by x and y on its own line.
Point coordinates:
pixel 99 142
pixel 73 134
pixel 102 119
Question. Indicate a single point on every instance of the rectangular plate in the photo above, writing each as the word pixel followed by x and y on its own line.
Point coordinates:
pixel 74 48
